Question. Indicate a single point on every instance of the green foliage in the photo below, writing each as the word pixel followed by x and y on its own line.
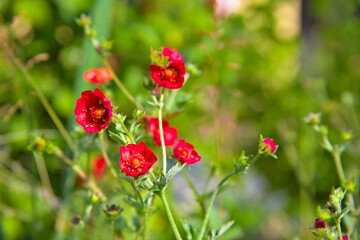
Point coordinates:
pixel 258 71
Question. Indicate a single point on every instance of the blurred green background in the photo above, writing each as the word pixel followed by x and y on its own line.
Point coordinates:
pixel 263 66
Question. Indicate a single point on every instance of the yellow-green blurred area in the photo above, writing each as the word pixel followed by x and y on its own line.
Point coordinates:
pixel 256 67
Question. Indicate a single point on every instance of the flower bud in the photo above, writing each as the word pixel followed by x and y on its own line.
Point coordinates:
pixel 75 219
pixel 320 228
pixel 339 193
pixel 83 20
pixel 139 113
pixel 113 211
pixel 320 224
pixel 350 186
pixel 324 214
pixel 95 198
pixel 267 146
pixel 107 45
pixel 347 135
pixel 313 119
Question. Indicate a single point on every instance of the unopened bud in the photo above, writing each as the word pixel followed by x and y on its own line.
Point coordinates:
pixel 313 118
pixel 75 219
pixel 83 20
pixel 107 45
pixel 139 113
pixel 350 186
pixel 347 135
pixel 95 198
pixel 113 211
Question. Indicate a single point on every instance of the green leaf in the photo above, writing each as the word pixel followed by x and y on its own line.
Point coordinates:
pixel 127 178
pixel 178 166
pixel 133 202
pixel 191 233
pixel 116 137
pixel 134 127
pixel 161 181
pixel 223 229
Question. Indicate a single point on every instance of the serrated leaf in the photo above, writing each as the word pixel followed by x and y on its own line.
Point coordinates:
pixel 116 137
pixel 136 222
pixel 161 182
pixel 120 128
pixel 178 166
pixel 141 179
pixel 191 233
pixel 134 127
pixel 133 202
pixel 127 178
pixel 224 228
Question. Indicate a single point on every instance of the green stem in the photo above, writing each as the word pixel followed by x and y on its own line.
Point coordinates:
pixel 338 226
pixel 144 226
pixel 338 165
pixel 80 173
pixel 120 85
pixel 44 177
pixel 163 147
pixel 105 155
pixel 139 195
pixel 170 217
pixel 131 137
pixel 193 189
pixel 112 229
pixel 207 215
pixel 41 96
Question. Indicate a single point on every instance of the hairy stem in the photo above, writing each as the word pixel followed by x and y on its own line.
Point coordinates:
pixel 207 215
pixel 80 173
pixel 170 217
pixel 339 167
pixel 44 177
pixel 193 189
pixel 105 155
pixel 163 147
pixel 9 53
pixel 120 85
pixel 112 229
pixel 131 137
pixel 338 226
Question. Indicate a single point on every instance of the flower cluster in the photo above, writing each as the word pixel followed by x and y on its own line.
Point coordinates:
pixel 94 112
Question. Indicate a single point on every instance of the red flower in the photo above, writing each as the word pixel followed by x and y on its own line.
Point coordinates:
pixel 93 111
pixel 136 159
pixel 170 133
pixel 171 76
pixel 345 237
pixel 98 167
pixel 268 145
pixel 97 76
pixel 185 152
pixel 172 54
pixel 319 224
